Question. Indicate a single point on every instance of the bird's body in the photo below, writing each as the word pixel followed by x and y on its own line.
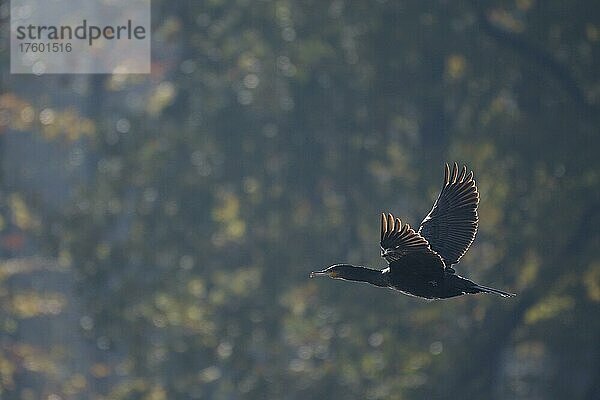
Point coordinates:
pixel 420 263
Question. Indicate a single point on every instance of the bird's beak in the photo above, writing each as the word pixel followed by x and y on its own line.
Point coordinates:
pixel 317 273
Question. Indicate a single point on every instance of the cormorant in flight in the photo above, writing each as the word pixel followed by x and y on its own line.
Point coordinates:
pixel 420 263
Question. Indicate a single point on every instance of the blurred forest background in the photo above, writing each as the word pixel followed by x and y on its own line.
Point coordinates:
pixel 156 231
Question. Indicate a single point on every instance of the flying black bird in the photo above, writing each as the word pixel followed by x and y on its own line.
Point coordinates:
pixel 420 263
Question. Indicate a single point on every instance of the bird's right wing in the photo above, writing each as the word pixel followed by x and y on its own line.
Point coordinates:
pixel 451 224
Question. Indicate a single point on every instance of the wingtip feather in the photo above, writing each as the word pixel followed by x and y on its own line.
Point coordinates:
pixel 463 173
pixel 447 174
pixel 454 173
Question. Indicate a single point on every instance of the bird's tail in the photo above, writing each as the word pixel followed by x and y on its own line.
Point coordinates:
pixel 487 289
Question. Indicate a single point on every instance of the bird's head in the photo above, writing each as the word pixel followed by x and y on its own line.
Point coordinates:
pixel 336 271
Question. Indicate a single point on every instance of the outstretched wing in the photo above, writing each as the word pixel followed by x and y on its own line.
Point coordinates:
pixel 406 250
pixel 451 224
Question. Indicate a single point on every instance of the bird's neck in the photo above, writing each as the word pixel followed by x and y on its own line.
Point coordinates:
pixel 363 274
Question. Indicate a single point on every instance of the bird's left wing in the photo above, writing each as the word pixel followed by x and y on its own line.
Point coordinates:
pixel 407 252
pixel 398 240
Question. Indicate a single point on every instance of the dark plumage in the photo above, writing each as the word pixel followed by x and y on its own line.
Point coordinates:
pixel 420 263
